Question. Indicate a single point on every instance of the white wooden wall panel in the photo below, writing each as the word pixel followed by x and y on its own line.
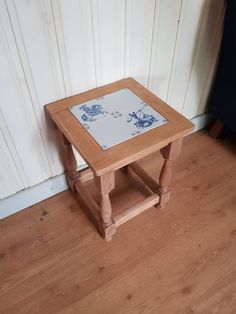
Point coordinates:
pixel 50 49
pixel 139 31
pixel 75 38
pixel 109 39
pixel 10 150
pixel 10 181
pixel 205 55
pixel 35 35
pixel 166 23
pixel 73 24
pixel 16 108
pixel 190 18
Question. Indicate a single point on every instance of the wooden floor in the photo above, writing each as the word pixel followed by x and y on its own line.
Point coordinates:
pixel 181 259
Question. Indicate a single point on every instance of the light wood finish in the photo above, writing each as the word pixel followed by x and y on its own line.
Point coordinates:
pixel 180 260
pixel 102 161
pixel 85 175
pixel 136 209
pixel 105 185
pixel 71 164
pixel 142 174
pixel 170 153
pixel 88 200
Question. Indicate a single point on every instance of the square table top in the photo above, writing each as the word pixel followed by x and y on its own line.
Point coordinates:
pixel 117 117
pixel 125 152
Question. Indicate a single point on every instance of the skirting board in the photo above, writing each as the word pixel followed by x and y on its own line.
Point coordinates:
pixel 58 184
pixel 201 121
pixel 35 194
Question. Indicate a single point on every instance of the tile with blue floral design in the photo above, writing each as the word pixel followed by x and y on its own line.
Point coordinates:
pixel 117 117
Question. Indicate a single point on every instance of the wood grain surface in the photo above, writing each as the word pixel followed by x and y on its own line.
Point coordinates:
pixel 177 260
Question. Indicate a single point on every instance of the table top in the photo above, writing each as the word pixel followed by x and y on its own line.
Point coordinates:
pixel 163 126
pixel 116 117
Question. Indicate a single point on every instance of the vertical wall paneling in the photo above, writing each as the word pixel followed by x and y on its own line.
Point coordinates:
pixel 34 31
pixel 16 109
pixel 10 181
pixel 109 39
pixel 9 145
pixel 164 37
pixel 205 56
pixel 139 28
pixel 75 42
pixel 75 38
pixel 190 19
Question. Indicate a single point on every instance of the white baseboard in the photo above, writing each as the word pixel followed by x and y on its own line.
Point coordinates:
pixel 201 121
pixel 58 184
pixel 37 193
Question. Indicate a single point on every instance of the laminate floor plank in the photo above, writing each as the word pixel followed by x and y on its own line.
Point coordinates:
pixel 180 259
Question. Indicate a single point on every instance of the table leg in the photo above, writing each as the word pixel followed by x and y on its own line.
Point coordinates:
pixel 71 164
pixel 105 185
pixel 170 152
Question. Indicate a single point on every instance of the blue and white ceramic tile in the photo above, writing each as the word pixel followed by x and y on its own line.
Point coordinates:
pixel 117 117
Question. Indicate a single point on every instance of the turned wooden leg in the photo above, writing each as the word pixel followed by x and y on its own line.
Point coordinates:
pixel 105 184
pixel 71 164
pixel 170 152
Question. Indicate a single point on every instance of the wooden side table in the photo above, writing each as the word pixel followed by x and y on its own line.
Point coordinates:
pixel 103 163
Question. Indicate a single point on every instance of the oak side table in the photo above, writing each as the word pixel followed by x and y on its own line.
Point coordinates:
pixel 103 161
